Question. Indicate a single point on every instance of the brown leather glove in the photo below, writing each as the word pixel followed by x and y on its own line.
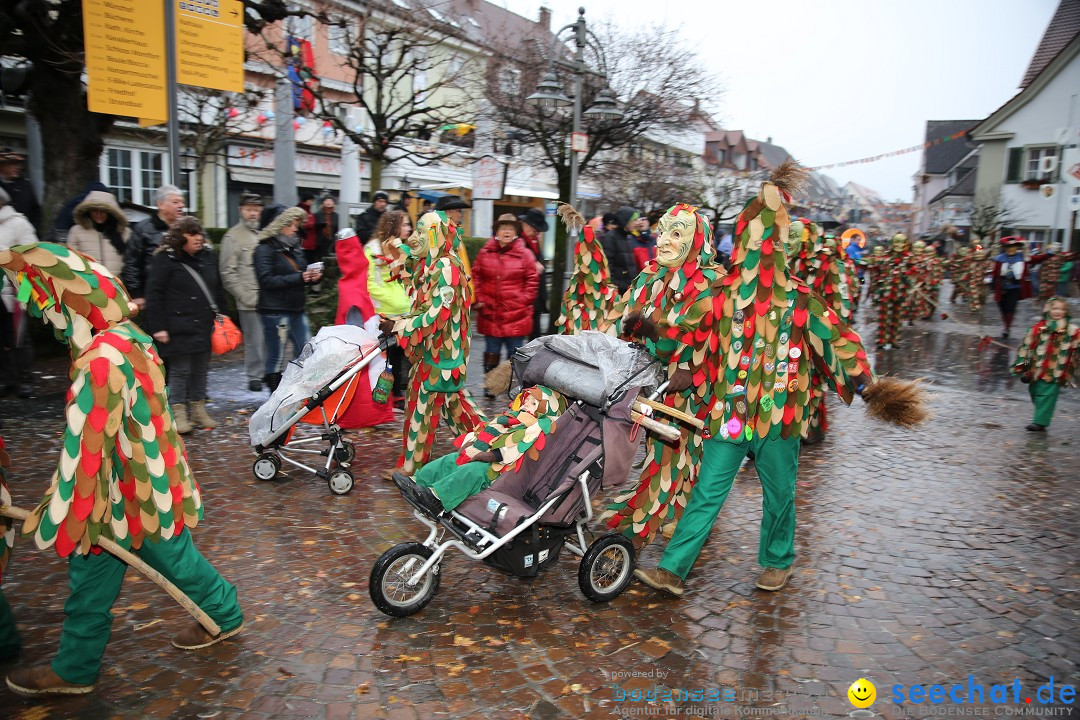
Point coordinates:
pixel 386 326
pixel 637 324
pixel 680 380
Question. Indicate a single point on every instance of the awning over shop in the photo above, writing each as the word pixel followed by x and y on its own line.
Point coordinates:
pixel 431 195
pixel 266 177
pixel 526 192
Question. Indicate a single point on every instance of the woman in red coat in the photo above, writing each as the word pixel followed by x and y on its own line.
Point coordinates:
pixel 506 282
pixel 355 308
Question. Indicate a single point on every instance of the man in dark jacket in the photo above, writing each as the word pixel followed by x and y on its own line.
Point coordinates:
pixel 369 219
pixel 533 223
pixel 19 188
pixel 146 236
pixel 619 251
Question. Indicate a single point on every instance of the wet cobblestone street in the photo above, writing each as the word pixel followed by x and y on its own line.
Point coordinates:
pixel 923 557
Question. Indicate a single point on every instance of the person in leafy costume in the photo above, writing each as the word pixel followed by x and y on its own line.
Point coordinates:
pixel 670 307
pixel 435 338
pixel 590 293
pixel 1048 359
pixel 823 270
pixel 894 288
pixel 770 330
pixel 123 472
pixel 500 446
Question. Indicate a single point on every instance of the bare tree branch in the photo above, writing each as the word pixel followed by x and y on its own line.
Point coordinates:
pixel 991 212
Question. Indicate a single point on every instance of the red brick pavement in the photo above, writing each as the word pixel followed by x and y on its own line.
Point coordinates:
pixel 924 557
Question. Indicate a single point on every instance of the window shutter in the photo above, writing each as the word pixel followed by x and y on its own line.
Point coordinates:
pixel 1016 158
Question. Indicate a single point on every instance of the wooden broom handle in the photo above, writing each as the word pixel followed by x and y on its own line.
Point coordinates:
pixel 139 564
pixel 672 412
pixel 665 432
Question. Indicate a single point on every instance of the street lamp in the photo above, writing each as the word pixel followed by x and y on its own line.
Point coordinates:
pixel 549 93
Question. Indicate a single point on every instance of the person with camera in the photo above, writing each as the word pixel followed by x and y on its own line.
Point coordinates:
pixel 283 279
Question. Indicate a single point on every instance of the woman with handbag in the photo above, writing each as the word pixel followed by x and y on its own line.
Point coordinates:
pixel 183 295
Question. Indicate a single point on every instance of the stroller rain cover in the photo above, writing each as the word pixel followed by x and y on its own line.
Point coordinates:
pixel 589 366
pixel 323 358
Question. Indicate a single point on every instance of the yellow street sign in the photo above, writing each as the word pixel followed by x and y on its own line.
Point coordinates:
pixel 210 44
pixel 125 57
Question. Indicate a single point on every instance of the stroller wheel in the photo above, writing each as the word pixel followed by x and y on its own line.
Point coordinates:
pixel 340 482
pixel 346 453
pixel 607 567
pixel 266 466
pixel 389 583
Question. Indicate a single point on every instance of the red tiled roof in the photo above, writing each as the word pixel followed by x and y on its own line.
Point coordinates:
pixel 1063 27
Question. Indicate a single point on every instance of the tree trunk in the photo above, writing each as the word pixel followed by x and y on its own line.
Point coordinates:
pixel 558 260
pixel 376 164
pixel 72 134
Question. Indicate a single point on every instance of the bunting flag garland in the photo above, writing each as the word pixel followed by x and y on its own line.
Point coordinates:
pixel 894 153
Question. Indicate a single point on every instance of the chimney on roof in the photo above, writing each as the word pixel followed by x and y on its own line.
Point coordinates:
pixel 769 139
pixel 545 18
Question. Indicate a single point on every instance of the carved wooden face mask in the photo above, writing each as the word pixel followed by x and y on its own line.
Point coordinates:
pixel 676 238
pixel 423 234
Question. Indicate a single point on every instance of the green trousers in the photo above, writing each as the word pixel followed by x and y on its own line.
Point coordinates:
pixel 777 462
pixel 95 582
pixel 9 634
pixel 451 482
pixel 1044 395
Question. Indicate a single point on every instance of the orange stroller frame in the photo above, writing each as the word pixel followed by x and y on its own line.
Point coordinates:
pixel 323 408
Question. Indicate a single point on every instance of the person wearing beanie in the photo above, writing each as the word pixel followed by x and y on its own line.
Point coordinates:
pixel 369 219
pixel 237 267
pixel 770 330
pixel 533 223
pixel 617 248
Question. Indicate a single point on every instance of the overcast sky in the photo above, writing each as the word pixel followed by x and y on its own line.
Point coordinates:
pixel 862 76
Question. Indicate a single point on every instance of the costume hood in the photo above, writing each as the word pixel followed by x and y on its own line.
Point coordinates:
pixel 68 290
pixel 99 200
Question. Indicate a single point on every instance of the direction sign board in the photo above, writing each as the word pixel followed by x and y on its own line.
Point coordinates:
pixel 125 57
pixel 210 44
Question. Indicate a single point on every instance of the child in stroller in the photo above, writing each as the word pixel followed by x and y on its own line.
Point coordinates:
pixel 500 446
pixel 542 498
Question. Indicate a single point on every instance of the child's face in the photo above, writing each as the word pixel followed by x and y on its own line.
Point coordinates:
pixel 530 405
pixel 1057 310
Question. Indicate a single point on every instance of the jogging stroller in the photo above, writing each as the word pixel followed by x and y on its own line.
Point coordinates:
pixel 522 521
pixel 316 389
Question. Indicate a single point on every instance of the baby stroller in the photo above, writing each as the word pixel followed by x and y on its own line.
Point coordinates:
pixel 316 389
pixel 523 520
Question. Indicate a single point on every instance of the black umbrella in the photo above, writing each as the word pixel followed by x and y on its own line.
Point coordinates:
pixel 826 221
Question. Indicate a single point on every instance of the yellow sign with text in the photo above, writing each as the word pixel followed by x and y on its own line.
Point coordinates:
pixel 125 57
pixel 210 44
